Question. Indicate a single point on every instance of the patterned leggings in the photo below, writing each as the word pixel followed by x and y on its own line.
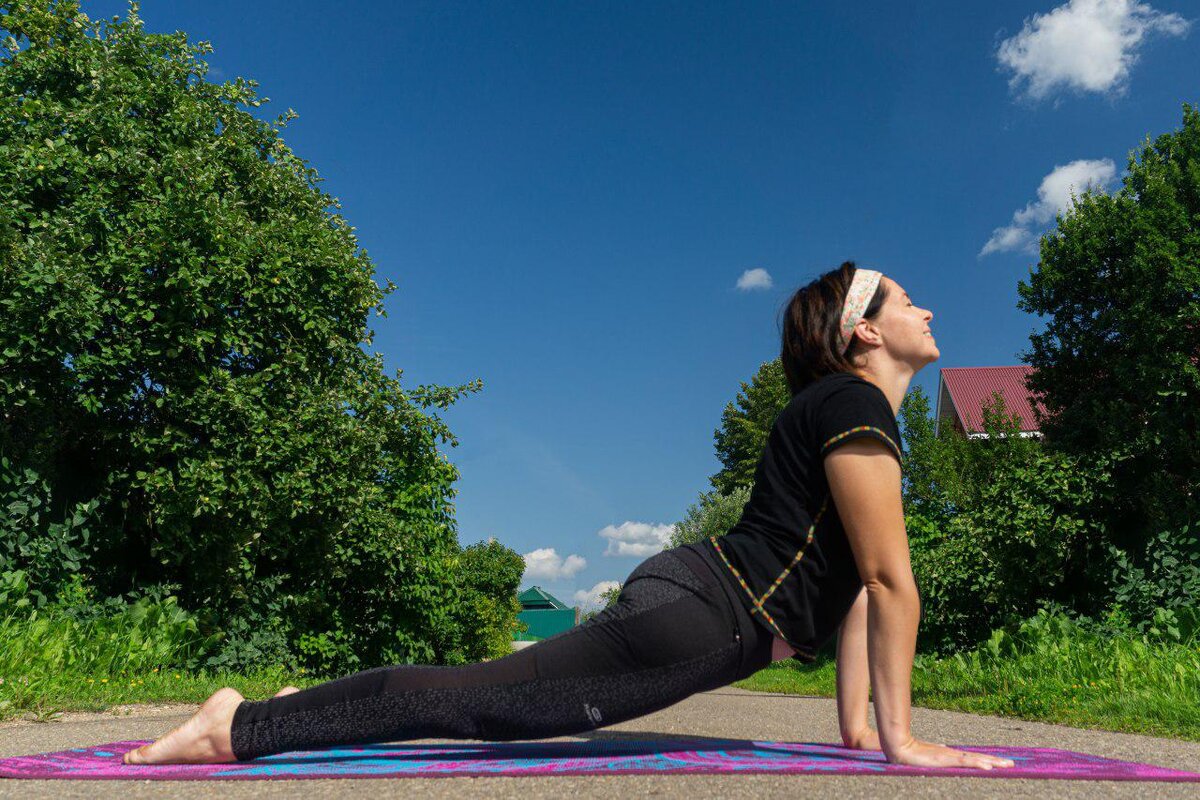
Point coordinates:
pixel 676 630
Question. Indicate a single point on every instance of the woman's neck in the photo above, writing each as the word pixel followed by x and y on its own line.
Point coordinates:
pixel 892 379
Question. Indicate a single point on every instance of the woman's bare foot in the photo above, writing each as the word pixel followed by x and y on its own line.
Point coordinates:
pixel 285 691
pixel 203 739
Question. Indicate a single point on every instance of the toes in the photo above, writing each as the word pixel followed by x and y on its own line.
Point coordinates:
pixel 286 691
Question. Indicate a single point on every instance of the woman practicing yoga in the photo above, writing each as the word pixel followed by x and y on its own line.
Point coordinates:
pixel 820 549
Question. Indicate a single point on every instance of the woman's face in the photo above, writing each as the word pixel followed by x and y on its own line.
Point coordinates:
pixel 905 328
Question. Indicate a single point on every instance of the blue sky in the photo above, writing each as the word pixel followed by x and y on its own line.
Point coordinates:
pixel 567 194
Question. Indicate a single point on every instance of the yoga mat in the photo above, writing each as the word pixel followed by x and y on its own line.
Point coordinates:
pixel 596 757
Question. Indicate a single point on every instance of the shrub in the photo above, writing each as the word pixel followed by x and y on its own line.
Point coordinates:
pixel 489 575
pixel 1165 577
pixel 45 548
pixel 1017 536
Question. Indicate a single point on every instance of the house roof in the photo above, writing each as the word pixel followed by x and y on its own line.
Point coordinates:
pixel 968 389
pixel 538 597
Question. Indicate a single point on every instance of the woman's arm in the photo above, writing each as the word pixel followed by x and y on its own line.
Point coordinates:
pixel 864 478
pixel 853 679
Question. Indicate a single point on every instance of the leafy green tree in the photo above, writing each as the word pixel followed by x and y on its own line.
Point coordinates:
pixel 745 425
pixel 922 490
pixel 609 597
pixel 490 575
pixel 182 315
pixel 713 514
pixel 1118 366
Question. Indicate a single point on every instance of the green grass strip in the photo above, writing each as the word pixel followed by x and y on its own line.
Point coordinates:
pixel 1119 684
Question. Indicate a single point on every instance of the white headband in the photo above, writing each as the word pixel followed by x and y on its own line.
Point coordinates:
pixel 862 289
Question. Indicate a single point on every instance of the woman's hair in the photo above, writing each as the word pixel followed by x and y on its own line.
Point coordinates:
pixel 809 348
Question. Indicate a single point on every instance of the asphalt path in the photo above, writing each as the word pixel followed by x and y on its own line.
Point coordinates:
pixel 723 713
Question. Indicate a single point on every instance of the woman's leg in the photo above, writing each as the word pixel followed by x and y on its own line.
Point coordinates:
pixel 670 635
pixel 663 640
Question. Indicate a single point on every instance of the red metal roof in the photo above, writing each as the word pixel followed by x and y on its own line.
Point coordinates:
pixel 969 389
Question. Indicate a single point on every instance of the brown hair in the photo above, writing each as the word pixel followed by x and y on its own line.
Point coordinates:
pixel 809 346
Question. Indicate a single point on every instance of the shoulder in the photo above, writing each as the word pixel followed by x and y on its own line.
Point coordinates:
pixel 845 407
pixel 839 387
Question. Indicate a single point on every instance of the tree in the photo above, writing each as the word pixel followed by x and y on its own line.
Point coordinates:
pixel 490 575
pixel 609 598
pixel 182 311
pixel 745 425
pixel 713 514
pixel 1117 366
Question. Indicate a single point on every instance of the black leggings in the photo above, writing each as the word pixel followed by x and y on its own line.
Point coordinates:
pixel 675 630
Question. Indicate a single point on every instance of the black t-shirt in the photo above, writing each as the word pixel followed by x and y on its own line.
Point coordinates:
pixel 789 552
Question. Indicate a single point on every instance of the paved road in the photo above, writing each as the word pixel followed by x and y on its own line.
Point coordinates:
pixel 725 713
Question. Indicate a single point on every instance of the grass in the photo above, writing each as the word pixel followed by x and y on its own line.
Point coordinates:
pixel 1072 677
pixel 45 697
pixel 1052 670
pixel 52 660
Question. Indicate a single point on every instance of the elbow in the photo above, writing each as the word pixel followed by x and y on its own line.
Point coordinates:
pixel 891 584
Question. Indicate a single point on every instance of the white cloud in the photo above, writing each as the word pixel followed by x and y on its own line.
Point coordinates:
pixel 1086 45
pixel 1054 196
pixel 546 563
pixel 636 538
pixel 588 599
pixel 755 279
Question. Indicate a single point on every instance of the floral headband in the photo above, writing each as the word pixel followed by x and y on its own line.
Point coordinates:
pixel 862 289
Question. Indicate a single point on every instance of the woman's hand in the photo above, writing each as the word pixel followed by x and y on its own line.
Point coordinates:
pixel 916 753
pixel 865 739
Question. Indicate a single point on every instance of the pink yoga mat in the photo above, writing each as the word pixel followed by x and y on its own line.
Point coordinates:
pixel 596 757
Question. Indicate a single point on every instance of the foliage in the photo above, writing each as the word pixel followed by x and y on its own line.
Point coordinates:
pixel 1118 365
pixel 105 639
pixel 1007 530
pixel 921 479
pixel 609 596
pixel 1051 666
pixel 1166 576
pixel 261 630
pixel 46 552
pixel 182 314
pixel 713 514
pixel 82 653
pixel 745 425
pixel 490 575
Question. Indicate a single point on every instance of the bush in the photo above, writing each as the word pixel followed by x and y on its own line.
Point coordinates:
pixel 1165 577
pixel 1017 534
pixel 48 550
pixel 490 575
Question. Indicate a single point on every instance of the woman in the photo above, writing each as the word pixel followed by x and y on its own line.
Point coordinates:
pixel 820 548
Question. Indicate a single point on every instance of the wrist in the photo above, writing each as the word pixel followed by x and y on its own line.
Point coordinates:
pixel 895 743
pixel 864 730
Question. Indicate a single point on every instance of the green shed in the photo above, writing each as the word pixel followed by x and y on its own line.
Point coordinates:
pixel 545 615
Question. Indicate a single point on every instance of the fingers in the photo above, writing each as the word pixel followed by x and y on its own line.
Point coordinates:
pixel 982 760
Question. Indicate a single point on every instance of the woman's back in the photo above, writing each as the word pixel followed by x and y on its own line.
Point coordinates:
pixel 788 555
